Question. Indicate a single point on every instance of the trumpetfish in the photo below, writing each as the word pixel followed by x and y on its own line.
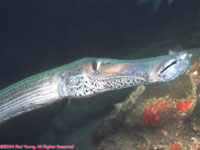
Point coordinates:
pixel 85 78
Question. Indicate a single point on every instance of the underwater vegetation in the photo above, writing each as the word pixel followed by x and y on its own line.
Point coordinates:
pixel 159 116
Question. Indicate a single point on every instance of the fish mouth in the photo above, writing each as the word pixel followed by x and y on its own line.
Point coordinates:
pixel 170 68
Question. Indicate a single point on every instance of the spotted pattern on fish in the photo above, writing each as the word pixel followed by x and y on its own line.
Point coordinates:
pixel 85 78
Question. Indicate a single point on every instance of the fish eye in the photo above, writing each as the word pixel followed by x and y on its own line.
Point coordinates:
pixel 94 65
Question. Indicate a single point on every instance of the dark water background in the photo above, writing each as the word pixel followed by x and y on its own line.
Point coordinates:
pixel 40 35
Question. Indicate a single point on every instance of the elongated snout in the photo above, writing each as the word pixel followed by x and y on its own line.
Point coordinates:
pixel 170 67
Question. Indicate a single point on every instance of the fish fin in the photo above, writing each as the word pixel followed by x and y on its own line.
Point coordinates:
pixel 64 104
pixel 61 106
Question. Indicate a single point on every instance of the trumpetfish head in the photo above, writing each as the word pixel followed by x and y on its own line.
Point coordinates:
pixel 91 76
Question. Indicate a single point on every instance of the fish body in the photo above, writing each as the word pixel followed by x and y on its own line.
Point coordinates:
pixel 85 78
